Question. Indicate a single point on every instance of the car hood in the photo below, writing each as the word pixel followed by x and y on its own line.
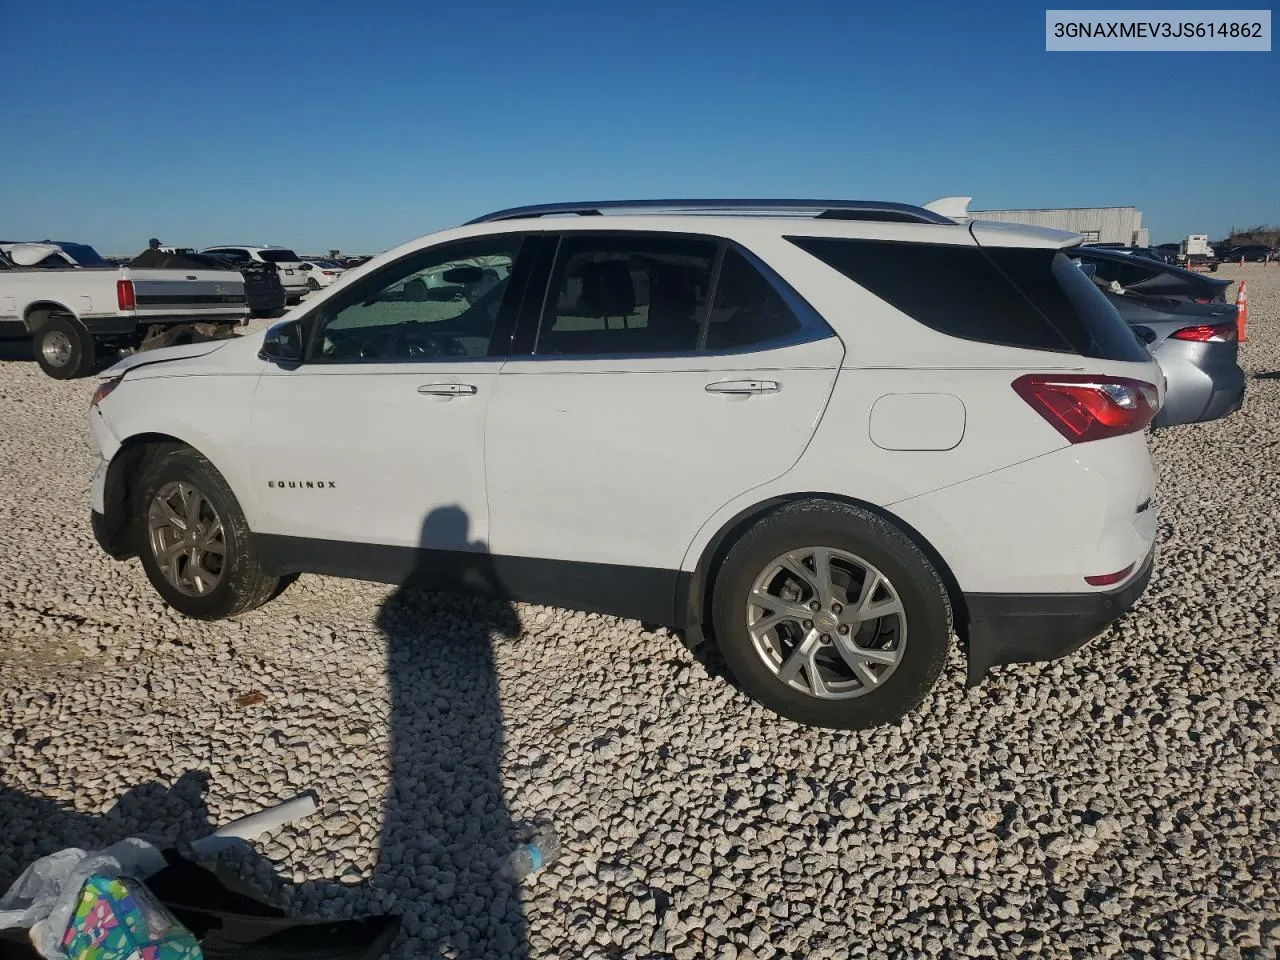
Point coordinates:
pixel 238 354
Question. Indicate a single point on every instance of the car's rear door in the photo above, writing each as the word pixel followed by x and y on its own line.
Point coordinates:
pixel 661 376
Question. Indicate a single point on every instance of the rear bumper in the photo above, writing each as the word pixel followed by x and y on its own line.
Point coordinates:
pixel 1026 628
pixel 1205 382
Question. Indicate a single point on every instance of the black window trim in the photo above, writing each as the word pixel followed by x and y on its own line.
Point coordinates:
pixel 499 337
pixel 812 325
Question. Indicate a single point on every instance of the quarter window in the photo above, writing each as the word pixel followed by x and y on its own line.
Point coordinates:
pixel 439 303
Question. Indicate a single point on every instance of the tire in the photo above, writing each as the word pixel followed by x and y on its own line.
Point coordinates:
pixel 312 285
pixel 231 586
pixel 862 692
pixel 64 347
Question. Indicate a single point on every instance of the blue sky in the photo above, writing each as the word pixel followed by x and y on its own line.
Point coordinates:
pixel 361 125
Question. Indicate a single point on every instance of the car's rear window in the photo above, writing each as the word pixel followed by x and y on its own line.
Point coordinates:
pixel 1020 297
pixel 278 256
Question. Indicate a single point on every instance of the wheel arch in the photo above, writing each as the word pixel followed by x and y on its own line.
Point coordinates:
pixel 35 315
pixel 693 601
pixel 118 535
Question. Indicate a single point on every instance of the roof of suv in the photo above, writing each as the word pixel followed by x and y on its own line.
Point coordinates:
pixel 901 221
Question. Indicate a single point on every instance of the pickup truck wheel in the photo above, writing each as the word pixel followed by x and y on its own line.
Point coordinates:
pixel 63 347
pixel 194 541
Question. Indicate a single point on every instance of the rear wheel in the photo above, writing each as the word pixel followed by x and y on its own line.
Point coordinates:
pixel 829 615
pixel 312 283
pixel 64 347
pixel 195 544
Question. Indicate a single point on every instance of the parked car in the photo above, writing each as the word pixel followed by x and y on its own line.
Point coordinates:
pixel 321 273
pixel 74 314
pixel 1147 277
pixel 264 294
pixel 1250 252
pixel 1197 348
pixel 1193 339
pixel 825 437
pixel 286 262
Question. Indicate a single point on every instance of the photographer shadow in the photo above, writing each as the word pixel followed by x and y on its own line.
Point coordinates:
pixel 445 836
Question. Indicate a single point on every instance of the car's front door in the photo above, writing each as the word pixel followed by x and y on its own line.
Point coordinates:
pixel 373 447
pixel 669 375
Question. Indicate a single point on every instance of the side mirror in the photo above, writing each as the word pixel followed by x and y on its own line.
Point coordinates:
pixel 282 343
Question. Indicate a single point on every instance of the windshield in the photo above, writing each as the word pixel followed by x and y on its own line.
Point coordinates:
pixel 278 256
pixel 83 254
pixel 325 264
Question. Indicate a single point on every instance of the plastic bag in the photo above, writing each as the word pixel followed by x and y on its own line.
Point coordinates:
pixel 45 897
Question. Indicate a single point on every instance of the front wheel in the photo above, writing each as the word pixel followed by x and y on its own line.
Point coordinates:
pixel 64 347
pixel 195 545
pixel 829 615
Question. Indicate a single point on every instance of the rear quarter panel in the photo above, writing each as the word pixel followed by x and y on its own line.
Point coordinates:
pixel 890 354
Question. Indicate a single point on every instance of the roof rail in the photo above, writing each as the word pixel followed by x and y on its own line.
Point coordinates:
pixel 820 209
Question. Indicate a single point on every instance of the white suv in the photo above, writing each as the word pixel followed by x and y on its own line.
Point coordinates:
pixel 824 434
pixel 292 276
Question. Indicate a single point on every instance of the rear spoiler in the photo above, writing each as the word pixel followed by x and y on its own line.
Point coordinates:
pixel 954 208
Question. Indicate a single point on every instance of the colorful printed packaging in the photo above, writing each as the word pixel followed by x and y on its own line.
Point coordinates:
pixel 118 918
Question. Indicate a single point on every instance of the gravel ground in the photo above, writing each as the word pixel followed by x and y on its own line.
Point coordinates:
pixel 1124 802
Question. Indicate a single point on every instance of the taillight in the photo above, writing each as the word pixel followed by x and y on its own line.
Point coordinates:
pixel 104 389
pixel 125 295
pixel 1207 333
pixel 330 273
pixel 1083 407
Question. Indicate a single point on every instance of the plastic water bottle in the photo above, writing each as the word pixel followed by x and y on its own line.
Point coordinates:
pixel 529 858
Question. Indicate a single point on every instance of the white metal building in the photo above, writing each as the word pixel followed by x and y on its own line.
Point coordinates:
pixel 1095 224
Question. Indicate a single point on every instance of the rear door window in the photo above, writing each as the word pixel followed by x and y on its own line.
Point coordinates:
pixel 639 294
pixel 628 294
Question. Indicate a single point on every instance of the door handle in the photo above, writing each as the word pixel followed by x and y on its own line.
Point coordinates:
pixel 447 389
pixel 741 387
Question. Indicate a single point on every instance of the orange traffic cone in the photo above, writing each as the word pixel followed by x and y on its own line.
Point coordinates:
pixel 1242 312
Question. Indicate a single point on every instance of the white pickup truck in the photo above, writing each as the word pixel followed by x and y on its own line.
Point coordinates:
pixel 75 306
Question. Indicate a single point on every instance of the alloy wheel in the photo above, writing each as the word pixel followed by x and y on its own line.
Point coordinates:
pixel 826 622
pixel 187 538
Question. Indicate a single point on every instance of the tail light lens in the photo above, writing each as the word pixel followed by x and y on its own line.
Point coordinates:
pixel 1207 333
pixel 330 273
pixel 1083 407
pixel 104 390
pixel 125 295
